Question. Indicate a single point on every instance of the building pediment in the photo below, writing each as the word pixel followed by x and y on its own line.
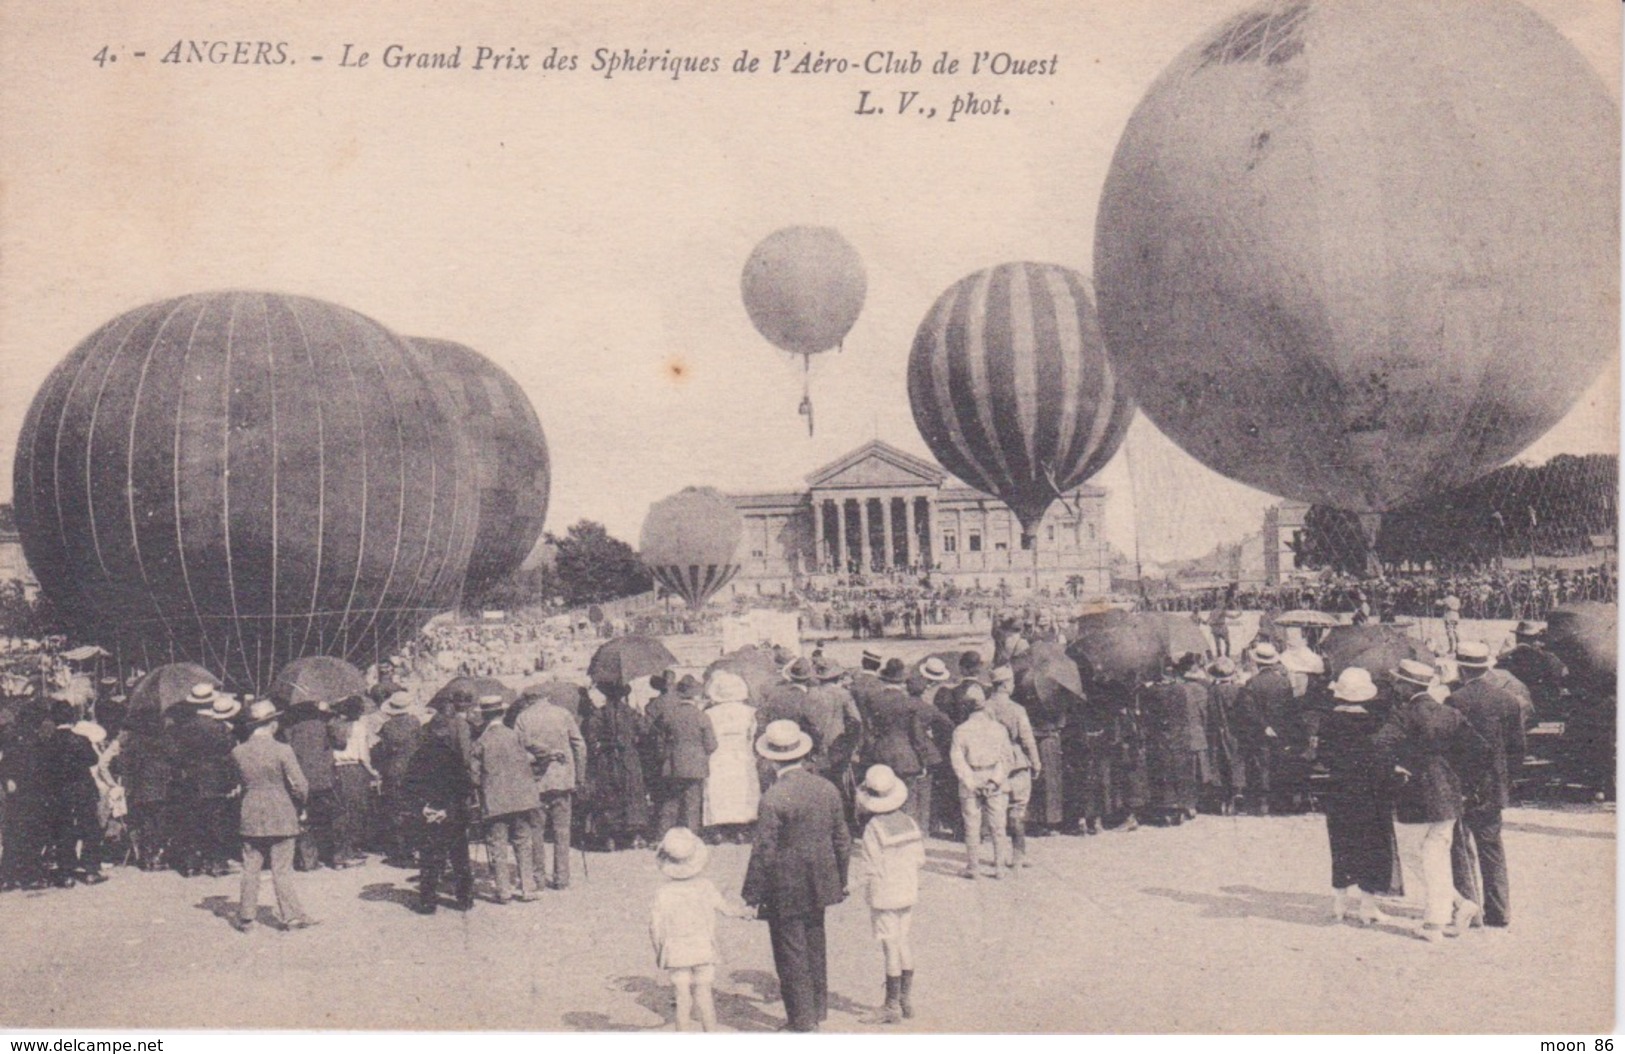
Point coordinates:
pixel 876 465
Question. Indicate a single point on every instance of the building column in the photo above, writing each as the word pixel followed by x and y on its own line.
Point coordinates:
pixel 818 535
pixel 909 528
pixel 864 562
pixel 888 552
pixel 929 529
pixel 840 535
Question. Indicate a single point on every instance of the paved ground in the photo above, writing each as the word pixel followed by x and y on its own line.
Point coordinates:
pixel 1218 926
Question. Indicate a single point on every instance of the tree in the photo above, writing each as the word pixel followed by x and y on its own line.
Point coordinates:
pixel 526 587
pixel 593 567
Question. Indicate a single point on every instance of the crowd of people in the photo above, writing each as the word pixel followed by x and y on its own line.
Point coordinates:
pixel 1504 593
pixel 957 745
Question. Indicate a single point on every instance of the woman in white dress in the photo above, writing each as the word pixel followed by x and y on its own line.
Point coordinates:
pixel 731 790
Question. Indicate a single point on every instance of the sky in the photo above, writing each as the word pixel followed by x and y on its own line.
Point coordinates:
pixel 586 233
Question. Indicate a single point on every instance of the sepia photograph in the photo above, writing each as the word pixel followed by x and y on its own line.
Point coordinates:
pixel 896 519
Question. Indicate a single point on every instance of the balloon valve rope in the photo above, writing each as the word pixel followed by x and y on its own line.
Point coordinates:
pixel 806 410
pixel 1049 477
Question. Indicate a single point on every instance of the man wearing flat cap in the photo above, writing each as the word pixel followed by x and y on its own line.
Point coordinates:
pixel 798 866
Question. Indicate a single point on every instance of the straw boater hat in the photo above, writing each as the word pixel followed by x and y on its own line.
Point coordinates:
pixel 1474 654
pixel 1223 668
pixel 1265 654
pixel 1354 685
pixel 491 705
pixel 202 694
pixel 881 790
pixel 1004 675
pixel 895 672
pixel 396 704
pixel 224 708
pixel 727 687
pixel 799 672
pixel 681 854
pixel 783 741
pixel 263 712
pixel 827 670
pixel 1527 628
pixel 1415 673
pixel 934 669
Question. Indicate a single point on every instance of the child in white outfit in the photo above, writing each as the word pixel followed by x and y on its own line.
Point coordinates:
pixel 683 925
pixel 893 851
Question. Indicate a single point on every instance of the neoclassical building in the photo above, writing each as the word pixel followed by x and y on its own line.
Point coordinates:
pixel 881 509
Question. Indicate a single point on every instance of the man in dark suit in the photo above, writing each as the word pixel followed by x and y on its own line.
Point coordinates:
pixel 687 742
pixel 1495 714
pixel 797 869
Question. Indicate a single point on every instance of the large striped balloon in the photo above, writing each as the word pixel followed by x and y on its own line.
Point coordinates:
pixel 1011 388
pixel 690 543
pixel 510 455
pixel 239 479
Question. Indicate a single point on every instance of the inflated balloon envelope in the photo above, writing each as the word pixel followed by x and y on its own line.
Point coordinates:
pixel 1357 252
pixel 690 543
pixel 238 479
pixel 510 453
pixel 1011 388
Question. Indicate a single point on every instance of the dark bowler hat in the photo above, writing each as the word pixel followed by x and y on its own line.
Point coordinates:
pixel 895 672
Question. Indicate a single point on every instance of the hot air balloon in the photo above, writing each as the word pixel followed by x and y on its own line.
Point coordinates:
pixel 1356 252
pixel 690 543
pixel 803 288
pixel 510 456
pixel 238 479
pixel 1011 387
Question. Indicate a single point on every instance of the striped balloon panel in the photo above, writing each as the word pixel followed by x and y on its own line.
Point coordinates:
pixel 695 583
pixel 240 479
pixel 1011 388
pixel 510 456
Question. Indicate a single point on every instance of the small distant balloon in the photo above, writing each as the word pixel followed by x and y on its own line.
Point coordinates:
pixel 690 543
pixel 803 288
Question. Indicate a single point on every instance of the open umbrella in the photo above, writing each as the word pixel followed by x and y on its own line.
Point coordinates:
pixel 463 692
pixel 754 664
pixel 1184 636
pixel 1305 618
pixel 167 685
pixel 1048 683
pixel 623 660
pixel 1585 635
pixel 316 679
pixel 1123 648
pixel 1375 647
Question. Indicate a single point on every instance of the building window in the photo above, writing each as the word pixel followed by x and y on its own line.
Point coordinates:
pixel 974 541
pixel 1000 547
pixel 1091 529
pixel 758 553
pixel 950 542
pixel 1049 533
